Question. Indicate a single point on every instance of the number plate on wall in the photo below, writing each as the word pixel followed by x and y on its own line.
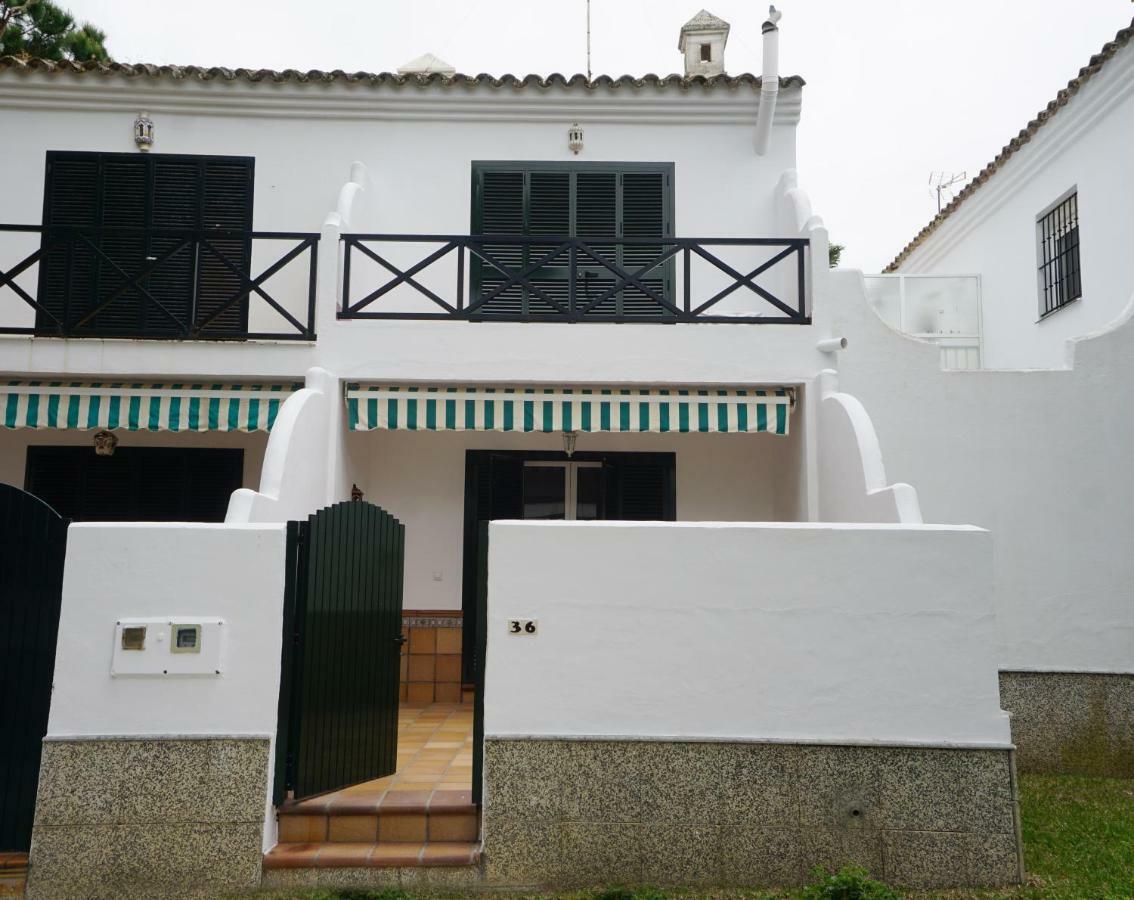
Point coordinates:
pixel 523 626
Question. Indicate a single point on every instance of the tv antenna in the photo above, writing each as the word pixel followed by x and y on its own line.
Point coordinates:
pixel 941 183
pixel 588 40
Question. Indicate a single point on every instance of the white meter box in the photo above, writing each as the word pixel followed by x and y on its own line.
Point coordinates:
pixel 168 646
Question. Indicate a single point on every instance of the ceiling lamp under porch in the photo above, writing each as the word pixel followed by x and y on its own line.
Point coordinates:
pixel 138 406
pixel 424 407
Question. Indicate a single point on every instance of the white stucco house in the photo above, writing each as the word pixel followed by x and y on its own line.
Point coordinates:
pixel 438 480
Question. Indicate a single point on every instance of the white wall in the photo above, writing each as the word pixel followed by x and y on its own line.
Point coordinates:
pixel 1042 459
pixel 117 571
pixel 419 477
pixel 1085 145
pixel 754 632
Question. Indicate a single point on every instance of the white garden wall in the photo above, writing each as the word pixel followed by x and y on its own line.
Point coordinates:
pixel 187 573
pixel 838 633
pixel 1042 459
pixel 1085 146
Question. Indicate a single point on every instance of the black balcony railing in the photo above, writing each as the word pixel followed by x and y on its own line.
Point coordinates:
pixel 523 278
pixel 157 283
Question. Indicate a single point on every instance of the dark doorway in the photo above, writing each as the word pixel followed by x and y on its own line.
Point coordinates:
pixel 338 709
pixel 136 484
pixel 502 484
pixel 33 538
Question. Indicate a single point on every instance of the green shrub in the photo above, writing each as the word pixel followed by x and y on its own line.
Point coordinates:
pixel 628 894
pixel 849 883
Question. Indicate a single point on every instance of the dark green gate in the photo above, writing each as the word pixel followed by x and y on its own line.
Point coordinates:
pixel 33 543
pixel 338 715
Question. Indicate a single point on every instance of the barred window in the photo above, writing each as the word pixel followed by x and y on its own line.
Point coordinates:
pixel 1060 277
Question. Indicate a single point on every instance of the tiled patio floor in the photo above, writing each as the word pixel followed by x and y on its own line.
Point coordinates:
pixel 434 754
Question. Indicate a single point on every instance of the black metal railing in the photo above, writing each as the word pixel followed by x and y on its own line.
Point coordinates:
pixel 522 278
pixel 158 283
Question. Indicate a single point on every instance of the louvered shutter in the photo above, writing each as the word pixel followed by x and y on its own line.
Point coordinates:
pixel 114 191
pixel 67 269
pixel 643 216
pixel 501 208
pixel 226 203
pixel 641 490
pixel 591 202
pixel 596 217
pixel 136 484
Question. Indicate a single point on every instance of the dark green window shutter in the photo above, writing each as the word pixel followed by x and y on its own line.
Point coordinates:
pixel 155 191
pixel 589 201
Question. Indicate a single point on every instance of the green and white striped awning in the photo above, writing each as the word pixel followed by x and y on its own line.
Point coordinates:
pixel 545 409
pixel 142 406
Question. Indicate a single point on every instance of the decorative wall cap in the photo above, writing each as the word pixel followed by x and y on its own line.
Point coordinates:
pixel 1109 50
pixel 381 79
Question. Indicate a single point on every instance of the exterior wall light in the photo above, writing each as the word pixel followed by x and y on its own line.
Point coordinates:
pixel 575 138
pixel 105 443
pixel 144 131
pixel 569 438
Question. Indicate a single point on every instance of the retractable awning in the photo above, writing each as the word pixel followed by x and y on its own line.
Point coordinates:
pixel 142 406
pixel 552 409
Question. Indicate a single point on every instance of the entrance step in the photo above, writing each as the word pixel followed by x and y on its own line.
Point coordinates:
pixel 359 855
pixel 13 874
pixel 391 817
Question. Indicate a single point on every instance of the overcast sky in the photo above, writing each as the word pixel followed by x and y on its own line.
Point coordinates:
pixel 896 89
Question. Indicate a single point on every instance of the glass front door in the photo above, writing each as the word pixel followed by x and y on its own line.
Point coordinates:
pixel 572 491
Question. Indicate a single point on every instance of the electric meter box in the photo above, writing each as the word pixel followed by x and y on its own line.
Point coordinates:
pixel 168 646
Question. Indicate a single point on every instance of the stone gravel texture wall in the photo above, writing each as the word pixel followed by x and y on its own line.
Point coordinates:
pixel 580 812
pixel 150 817
pixel 1071 723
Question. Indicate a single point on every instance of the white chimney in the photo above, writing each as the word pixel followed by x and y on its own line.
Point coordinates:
pixel 702 43
pixel 427 64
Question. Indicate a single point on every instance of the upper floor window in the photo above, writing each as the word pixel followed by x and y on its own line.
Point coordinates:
pixel 1060 276
pixel 611 208
pixel 145 244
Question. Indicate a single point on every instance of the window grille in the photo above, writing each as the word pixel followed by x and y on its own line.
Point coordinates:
pixel 1060 276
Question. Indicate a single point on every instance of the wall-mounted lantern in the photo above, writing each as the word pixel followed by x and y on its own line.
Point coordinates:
pixel 144 131
pixel 575 138
pixel 569 438
pixel 104 443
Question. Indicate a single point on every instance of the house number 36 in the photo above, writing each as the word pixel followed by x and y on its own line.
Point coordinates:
pixel 522 626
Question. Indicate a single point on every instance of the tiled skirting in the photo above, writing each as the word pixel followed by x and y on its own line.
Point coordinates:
pixel 431 657
pixel 560 813
pixel 1071 722
pixel 155 817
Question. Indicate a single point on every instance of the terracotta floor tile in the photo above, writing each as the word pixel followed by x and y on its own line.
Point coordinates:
pixel 395 854
pixel 352 829
pixel 346 855
pixel 449 854
pixel 302 829
pixel 292 856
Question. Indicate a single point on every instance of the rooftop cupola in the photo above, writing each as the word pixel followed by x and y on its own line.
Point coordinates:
pixel 427 64
pixel 702 42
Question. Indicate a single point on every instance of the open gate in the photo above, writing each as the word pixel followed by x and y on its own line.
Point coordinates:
pixel 338 713
pixel 33 544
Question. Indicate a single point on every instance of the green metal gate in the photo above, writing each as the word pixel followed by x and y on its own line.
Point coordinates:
pixel 33 544
pixel 338 713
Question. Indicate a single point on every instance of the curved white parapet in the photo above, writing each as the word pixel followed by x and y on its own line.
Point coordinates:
pixel 294 480
pixel 795 217
pixel 852 478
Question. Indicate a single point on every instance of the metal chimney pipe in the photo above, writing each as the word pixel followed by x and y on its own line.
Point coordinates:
pixel 769 81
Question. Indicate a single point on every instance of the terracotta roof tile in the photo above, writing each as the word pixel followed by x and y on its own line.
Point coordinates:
pixel 316 76
pixel 1085 74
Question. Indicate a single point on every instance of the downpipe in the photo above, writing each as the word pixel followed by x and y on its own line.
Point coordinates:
pixel 769 81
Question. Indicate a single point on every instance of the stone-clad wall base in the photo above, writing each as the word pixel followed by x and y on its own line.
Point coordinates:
pixel 1071 723
pixel 148 817
pixel 577 813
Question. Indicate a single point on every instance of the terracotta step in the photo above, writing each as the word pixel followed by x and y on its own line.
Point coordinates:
pixel 371 855
pixel 13 874
pixel 468 693
pixel 393 817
